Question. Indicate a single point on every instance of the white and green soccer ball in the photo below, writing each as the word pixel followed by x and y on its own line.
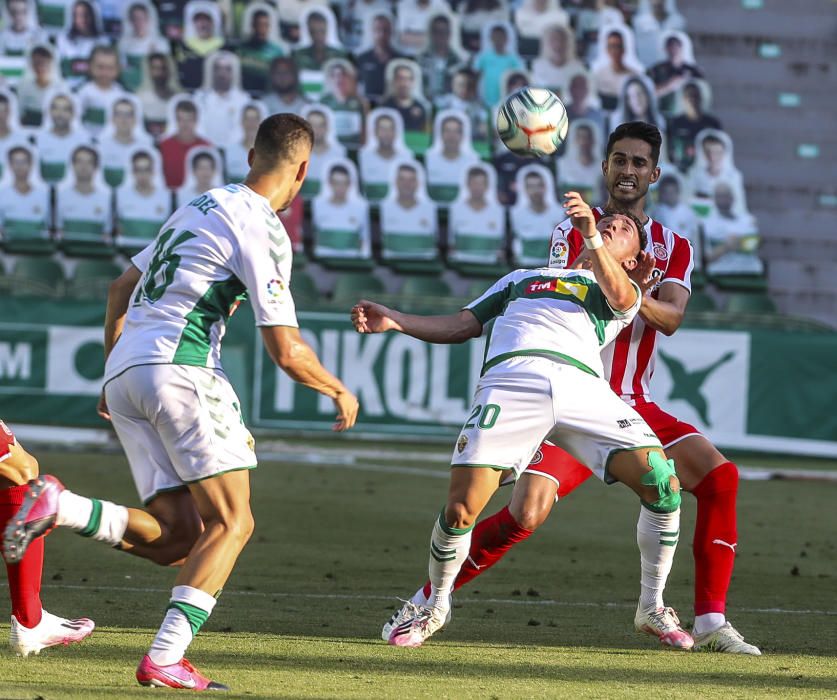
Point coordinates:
pixel 532 122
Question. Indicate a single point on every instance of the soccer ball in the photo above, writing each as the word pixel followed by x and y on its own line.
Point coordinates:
pixel 532 122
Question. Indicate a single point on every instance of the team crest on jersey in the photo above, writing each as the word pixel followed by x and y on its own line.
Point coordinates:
pixel 461 443
pixel 559 253
pixel 276 288
pixel 660 251
pixel 537 458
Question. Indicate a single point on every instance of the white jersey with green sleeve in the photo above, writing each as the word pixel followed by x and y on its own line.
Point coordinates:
pixel 223 246
pixel 546 312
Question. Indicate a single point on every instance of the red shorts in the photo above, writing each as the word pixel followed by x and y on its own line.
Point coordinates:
pixel 564 469
pixel 7 439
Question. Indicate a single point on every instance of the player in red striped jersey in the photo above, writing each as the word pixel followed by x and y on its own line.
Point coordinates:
pixel 664 276
pixel 32 627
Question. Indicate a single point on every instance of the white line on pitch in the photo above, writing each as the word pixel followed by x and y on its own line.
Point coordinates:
pixel 466 601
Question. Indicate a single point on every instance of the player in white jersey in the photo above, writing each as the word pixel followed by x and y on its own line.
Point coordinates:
pixel 170 402
pixel 663 274
pixel 544 347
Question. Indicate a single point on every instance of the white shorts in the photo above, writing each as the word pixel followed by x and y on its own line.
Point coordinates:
pixel 177 424
pixel 525 400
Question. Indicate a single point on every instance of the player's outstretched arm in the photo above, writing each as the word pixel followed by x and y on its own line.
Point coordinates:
pixel 369 317
pixel 295 357
pixel 617 288
pixel 119 296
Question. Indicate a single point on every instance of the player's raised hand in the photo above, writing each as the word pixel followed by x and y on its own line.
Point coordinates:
pixel 580 213
pixel 347 407
pixel 369 317
pixel 642 274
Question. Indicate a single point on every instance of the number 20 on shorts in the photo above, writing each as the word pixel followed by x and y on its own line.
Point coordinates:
pixel 488 415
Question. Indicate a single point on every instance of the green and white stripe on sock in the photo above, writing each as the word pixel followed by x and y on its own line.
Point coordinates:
pixel 92 517
pixel 448 550
pixel 188 610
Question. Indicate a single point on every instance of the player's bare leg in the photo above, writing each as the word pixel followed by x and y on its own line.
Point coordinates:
pixel 32 627
pixel 652 478
pixel 223 502
pixel 470 490
pixel 713 480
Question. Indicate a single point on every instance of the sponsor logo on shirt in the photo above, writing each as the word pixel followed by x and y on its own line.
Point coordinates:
pixel 542 286
pixel 660 251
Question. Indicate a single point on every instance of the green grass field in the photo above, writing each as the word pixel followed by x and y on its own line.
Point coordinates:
pixel 334 545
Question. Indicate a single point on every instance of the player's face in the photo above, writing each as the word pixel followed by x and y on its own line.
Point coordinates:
pixel 61 112
pixel 261 27
pixel 250 120
pixel 440 35
pixel 339 183
pixel 670 193
pixel 621 238
pixel 139 21
pixel 222 75
pixel 84 166
pixel 204 171
pixel 143 172
pixel 402 83
pixel 407 183
pixel 714 152
pixel 203 26
pixel 557 39
pixel 724 198
pixel 452 134
pixel 319 126
pixel 385 132
pixel 498 40
pixel 41 66
pixel 318 29
pixel 124 118
pixel 21 166
pixel 104 69
pixel 17 15
pixel 637 100
pixel 579 90
pixel 615 47
pixel 535 188
pixel 477 186
pixel 186 122
pixel 158 71
pixel 381 32
pixel 629 170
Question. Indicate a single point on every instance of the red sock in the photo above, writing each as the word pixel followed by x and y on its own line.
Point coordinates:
pixel 715 538
pixel 25 577
pixel 490 540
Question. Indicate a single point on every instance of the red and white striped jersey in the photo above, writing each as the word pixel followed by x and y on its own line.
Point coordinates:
pixel 629 360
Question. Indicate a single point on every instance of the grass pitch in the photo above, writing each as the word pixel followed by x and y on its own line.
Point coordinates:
pixel 334 545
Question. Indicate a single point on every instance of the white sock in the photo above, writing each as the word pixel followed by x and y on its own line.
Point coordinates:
pixel 188 609
pixel 656 535
pixel 709 622
pixel 90 517
pixel 418 597
pixel 448 550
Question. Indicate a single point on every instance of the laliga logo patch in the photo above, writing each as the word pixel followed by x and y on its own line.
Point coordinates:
pixel 660 251
pixel 461 443
pixel 276 288
pixel 559 253
pixel 537 458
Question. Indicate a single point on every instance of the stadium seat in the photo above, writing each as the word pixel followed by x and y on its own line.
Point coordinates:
pixel 304 290
pixel 37 277
pixel 750 303
pixel 92 279
pixel 700 302
pixel 350 286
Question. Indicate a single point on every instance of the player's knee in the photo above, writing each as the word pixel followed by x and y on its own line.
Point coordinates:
pixel 238 524
pixel 530 515
pixel 661 485
pixel 459 516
